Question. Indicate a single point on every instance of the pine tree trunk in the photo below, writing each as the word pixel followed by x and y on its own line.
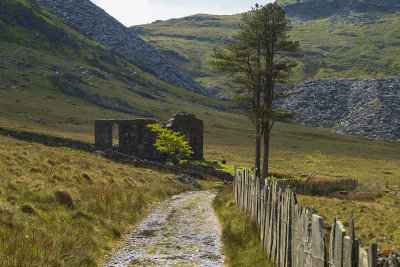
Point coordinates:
pixel 257 165
pixel 266 151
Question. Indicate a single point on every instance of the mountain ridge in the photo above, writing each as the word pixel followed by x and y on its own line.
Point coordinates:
pixel 313 9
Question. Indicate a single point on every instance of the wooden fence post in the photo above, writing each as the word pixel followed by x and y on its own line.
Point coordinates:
pixel 353 241
pixel 318 242
pixel 276 229
pixel 239 187
pixel 363 257
pixel 243 174
pixel 338 244
pixel 270 218
pixel 331 241
pixel 257 202
pixel 288 227
pixel 347 251
pixel 262 215
pixel 243 190
pixel 248 191
pixel 282 238
pixel 307 239
pixel 302 247
pixel 295 231
pixel 372 255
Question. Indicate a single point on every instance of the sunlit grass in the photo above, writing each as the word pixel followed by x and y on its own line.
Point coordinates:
pixel 240 236
pixel 62 207
pixel 375 222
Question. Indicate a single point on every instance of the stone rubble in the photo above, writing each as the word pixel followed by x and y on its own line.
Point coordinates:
pixel 359 107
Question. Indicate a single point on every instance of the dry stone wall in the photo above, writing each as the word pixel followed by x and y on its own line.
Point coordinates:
pixel 196 171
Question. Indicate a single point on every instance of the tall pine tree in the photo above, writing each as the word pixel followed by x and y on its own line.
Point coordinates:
pixel 261 60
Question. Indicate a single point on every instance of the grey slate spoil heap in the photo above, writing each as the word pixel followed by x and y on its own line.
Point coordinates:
pixel 360 107
pixel 101 27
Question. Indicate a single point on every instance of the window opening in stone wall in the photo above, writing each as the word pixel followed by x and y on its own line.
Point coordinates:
pixel 115 135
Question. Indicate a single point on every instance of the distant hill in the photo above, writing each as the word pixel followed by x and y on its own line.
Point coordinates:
pixel 341 43
pixel 325 8
pixel 340 39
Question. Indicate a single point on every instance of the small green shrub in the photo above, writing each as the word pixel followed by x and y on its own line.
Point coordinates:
pixel 170 142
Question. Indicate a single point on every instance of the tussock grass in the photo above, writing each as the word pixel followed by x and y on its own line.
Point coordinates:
pixel 62 207
pixel 375 222
pixel 240 236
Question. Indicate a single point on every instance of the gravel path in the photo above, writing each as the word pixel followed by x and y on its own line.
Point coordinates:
pixel 181 231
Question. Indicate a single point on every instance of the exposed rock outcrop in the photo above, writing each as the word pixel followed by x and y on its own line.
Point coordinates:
pixel 360 107
pixel 101 27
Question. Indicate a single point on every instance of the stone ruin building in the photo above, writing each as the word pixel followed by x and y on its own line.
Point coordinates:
pixel 136 139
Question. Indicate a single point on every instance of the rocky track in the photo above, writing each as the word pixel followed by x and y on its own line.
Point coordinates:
pixel 181 231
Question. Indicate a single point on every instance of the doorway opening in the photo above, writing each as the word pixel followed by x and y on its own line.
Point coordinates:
pixel 115 135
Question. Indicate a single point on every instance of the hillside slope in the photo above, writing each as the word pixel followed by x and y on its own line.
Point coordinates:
pixel 346 44
pixel 101 27
pixel 54 77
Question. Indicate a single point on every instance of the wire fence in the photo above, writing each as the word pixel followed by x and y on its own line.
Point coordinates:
pixel 291 236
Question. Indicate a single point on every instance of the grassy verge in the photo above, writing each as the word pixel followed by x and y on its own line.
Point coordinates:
pixel 63 207
pixel 240 236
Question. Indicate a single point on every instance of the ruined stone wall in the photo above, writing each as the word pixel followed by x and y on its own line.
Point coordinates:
pixel 136 139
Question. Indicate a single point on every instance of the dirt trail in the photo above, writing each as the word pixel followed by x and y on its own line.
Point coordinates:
pixel 181 231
